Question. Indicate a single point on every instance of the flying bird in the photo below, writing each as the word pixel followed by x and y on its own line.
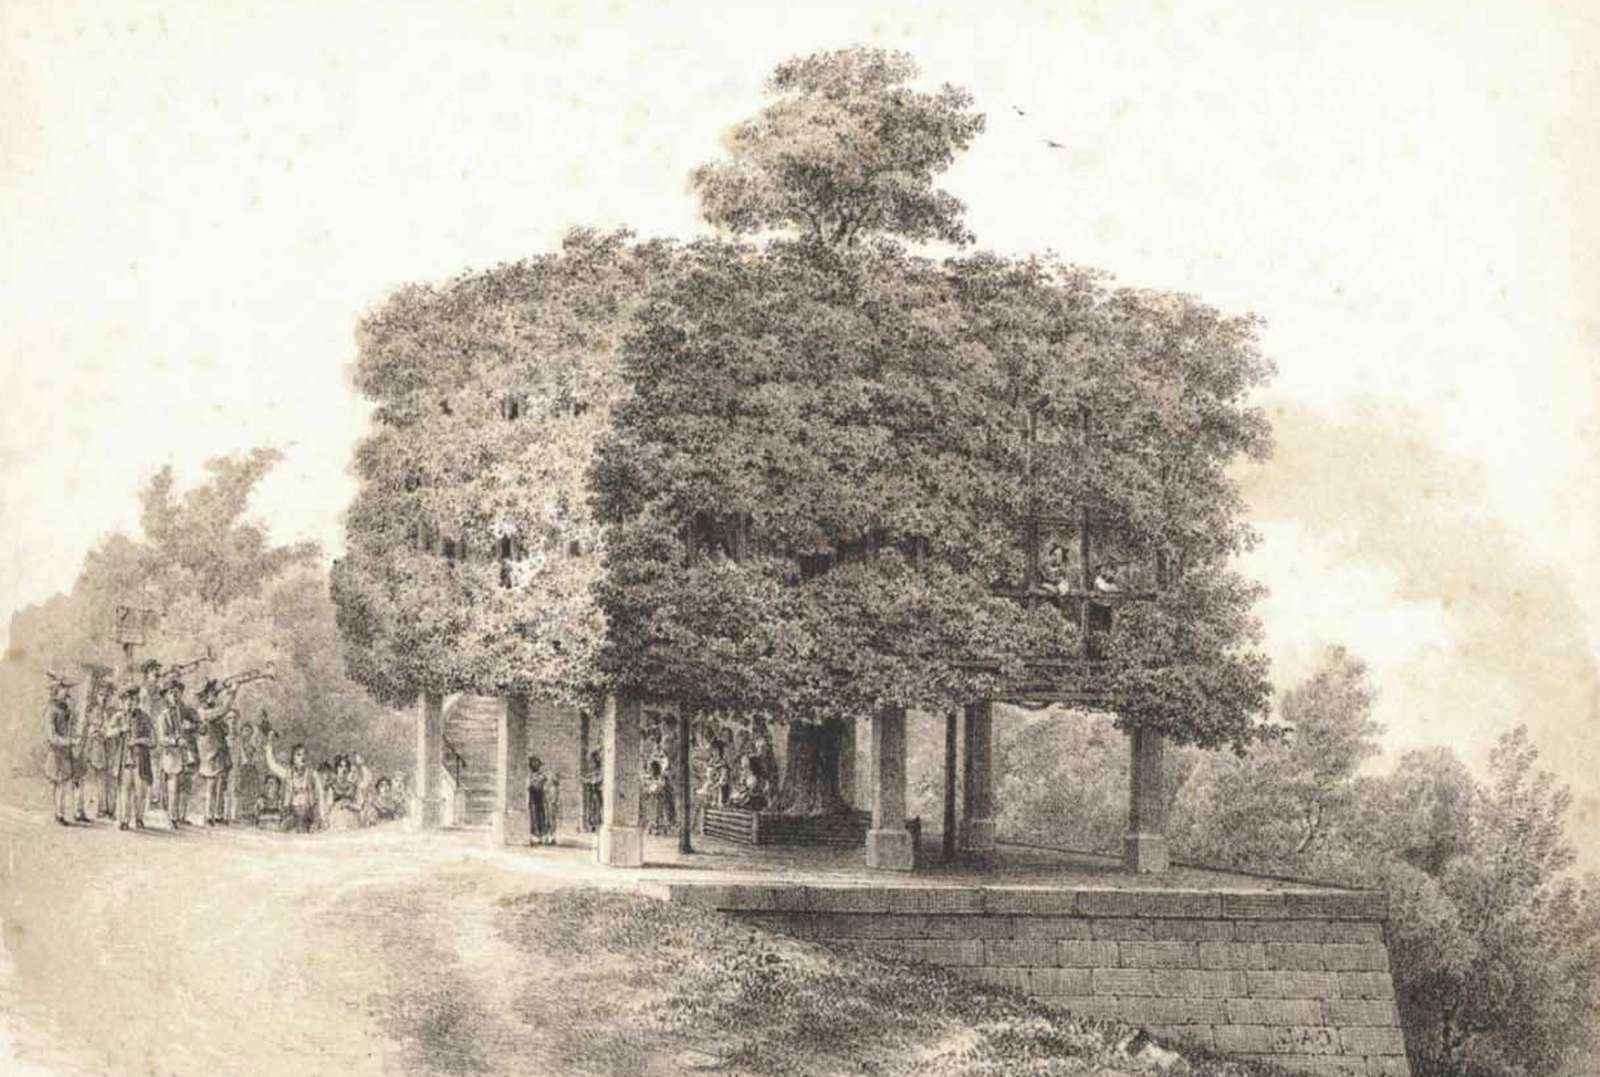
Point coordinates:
pixel 1053 144
pixel 1018 110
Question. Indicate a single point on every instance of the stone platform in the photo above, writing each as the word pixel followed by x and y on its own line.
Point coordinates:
pixel 1289 972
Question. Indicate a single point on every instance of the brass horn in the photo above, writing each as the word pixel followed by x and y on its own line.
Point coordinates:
pixel 245 676
pixel 184 667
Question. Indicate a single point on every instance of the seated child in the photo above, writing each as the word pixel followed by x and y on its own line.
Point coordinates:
pixel 269 804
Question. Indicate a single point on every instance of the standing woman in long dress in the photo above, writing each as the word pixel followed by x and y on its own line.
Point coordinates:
pixel 538 783
pixel 58 764
pixel 245 778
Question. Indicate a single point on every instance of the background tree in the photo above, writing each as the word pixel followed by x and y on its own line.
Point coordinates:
pixel 217 582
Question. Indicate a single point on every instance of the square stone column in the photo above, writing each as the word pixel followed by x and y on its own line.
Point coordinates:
pixel 888 842
pixel 847 762
pixel 510 823
pixel 977 775
pixel 1144 849
pixel 427 795
pixel 621 842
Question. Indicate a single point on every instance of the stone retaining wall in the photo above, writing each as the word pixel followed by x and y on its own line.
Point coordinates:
pixel 1296 977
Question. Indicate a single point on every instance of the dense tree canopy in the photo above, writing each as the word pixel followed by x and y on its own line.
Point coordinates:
pixel 471 550
pixel 803 476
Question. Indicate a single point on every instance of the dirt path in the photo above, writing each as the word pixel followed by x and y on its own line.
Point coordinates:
pixel 242 953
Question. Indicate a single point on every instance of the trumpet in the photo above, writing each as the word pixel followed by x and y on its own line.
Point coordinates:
pixel 184 667
pixel 244 677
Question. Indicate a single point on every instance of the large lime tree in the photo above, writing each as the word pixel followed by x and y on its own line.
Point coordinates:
pixel 800 469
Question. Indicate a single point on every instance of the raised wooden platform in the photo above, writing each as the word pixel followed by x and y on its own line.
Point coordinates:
pixel 743 827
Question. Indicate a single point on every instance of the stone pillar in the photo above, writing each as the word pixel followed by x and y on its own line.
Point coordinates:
pixel 949 831
pixel 847 762
pixel 510 824
pixel 888 842
pixel 1144 849
pixel 621 843
pixel 427 794
pixel 977 779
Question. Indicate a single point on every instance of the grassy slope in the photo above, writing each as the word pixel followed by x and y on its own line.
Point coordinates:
pixel 636 986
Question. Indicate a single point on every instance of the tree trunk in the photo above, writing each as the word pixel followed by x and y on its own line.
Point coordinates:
pixel 811 773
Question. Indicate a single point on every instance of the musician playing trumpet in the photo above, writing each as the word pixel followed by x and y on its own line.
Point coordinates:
pixel 216 710
pixel 180 755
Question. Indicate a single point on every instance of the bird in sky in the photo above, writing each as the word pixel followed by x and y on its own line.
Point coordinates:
pixel 1018 110
pixel 1053 144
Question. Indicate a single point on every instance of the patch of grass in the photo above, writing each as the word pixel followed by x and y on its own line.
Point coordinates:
pixel 672 989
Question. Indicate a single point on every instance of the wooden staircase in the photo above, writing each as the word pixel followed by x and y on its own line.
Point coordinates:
pixel 472 732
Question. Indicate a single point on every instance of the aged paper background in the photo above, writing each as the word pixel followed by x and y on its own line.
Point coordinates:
pixel 198 199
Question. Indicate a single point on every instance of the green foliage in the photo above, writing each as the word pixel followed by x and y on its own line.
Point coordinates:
pixel 446 466
pixel 1495 946
pixel 834 401
pixel 1062 779
pixel 217 583
pixel 847 150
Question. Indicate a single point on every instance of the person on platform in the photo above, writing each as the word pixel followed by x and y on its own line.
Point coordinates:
pixel 718 784
pixel 59 768
pixel 215 713
pixel 300 788
pixel 751 791
pixel 170 744
pixel 136 736
pixel 593 792
pixel 1055 570
pixel 540 832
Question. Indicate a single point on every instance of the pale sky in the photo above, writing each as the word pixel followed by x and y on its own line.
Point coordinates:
pixel 197 200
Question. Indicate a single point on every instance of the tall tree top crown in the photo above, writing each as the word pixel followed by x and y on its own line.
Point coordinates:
pixel 846 150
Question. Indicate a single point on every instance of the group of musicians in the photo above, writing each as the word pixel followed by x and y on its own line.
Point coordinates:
pixel 127 744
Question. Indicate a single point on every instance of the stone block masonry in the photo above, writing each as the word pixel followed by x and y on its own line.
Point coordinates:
pixel 1296 977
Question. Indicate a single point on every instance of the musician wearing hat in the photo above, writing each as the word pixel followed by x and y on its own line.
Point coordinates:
pixel 172 740
pixel 59 767
pixel 216 709
pixel 135 735
pixel 95 748
pixel 150 701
